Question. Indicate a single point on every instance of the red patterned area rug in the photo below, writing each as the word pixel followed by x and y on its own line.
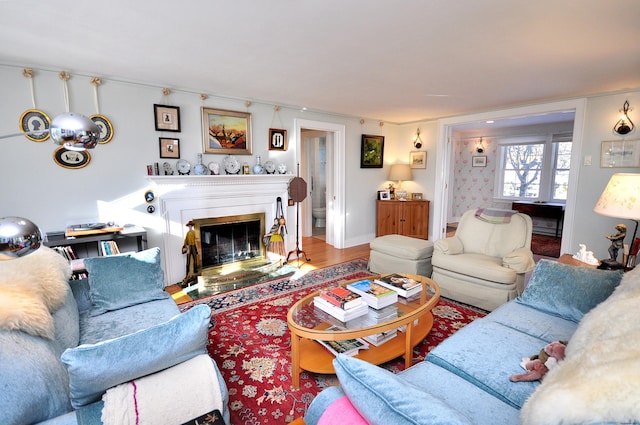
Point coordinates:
pixel 250 342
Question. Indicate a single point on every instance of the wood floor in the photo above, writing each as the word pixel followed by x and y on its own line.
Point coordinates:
pixel 319 253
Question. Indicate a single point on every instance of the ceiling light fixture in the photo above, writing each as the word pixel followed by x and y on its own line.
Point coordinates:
pixel 73 131
pixel 624 125
pixel 479 146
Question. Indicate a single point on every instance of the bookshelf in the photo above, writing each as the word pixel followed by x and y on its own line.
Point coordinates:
pixel 131 238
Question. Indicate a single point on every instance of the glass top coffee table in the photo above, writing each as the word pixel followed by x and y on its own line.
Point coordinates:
pixel 307 324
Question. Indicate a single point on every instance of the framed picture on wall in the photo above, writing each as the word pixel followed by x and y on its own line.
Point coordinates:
pixel 418 159
pixel 277 139
pixel 226 132
pixel 620 153
pixel 167 117
pixel 169 147
pixel 478 161
pixel 371 151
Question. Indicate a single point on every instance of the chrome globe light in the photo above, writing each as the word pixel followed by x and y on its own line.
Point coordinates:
pixel 18 237
pixel 74 131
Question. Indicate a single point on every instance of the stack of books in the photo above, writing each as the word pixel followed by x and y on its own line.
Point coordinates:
pixel 404 286
pixel 341 297
pixel 341 303
pixel 374 317
pixel 349 347
pixel 109 248
pixel 377 296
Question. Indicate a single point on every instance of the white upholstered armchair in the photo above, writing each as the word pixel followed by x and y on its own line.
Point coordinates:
pixel 485 262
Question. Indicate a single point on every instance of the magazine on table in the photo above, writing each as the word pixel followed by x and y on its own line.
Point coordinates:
pixel 382 337
pixel 349 347
pixel 377 296
pixel 404 286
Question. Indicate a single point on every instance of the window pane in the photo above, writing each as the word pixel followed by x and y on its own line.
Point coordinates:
pixel 522 167
pixel 561 184
pixel 563 158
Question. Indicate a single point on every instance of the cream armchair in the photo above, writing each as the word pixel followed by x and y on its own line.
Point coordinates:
pixel 484 264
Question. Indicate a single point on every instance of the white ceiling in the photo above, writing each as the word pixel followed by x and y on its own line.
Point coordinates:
pixel 397 61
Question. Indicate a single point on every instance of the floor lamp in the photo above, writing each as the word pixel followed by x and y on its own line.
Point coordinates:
pixel 297 193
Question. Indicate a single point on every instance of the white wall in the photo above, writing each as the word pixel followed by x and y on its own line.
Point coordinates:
pixel 111 187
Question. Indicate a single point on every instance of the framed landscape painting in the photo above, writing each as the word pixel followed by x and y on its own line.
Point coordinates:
pixel 371 151
pixel 226 132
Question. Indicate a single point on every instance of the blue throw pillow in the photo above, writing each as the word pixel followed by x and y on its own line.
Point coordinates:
pixel 121 281
pixel 568 291
pixel 386 399
pixel 94 368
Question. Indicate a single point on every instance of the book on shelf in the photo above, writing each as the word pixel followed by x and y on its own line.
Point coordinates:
pixel 341 297
pixel 349 347
pixel 380 338
pixel 404 286
pixel 377 296
pixel 339 313
pixel 109 248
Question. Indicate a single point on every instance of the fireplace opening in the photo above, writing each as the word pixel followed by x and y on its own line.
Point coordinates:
pixel 230 242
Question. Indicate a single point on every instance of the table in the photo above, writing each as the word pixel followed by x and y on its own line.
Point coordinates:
pixel 568 259
pixel 306 326
pixel 542 209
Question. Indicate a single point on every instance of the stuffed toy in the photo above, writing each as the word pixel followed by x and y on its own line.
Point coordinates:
pixel 538 365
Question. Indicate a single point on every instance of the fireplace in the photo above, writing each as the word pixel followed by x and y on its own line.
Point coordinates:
pixel 231 240
pixel 185 198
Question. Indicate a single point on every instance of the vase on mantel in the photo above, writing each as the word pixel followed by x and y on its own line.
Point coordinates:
pixel 200 169
pixel 258 168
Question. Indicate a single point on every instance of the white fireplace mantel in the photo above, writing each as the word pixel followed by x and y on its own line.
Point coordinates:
pixel 184 198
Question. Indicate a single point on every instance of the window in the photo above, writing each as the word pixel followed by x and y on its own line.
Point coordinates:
pixel 534 168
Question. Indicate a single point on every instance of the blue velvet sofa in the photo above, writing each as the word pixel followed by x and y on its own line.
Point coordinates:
pixel 72 341
pixel 465 379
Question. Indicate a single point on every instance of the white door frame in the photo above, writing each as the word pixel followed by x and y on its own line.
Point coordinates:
pixel 335 175
pixel 444 154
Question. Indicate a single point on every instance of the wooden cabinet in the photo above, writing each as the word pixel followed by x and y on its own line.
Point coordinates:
pixel 407 218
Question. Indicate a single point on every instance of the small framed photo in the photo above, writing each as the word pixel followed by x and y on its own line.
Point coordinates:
pixel 169 147
pixel 478 161
pixel 418 159
pixel 71 159
pixel 371 151
pixel 226 132
pixel 36 123
pixel 167 117
pixel 416 196
pixel 384 195
pixel 277 139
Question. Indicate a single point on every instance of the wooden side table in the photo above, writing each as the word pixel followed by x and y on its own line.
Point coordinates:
pixel 568 259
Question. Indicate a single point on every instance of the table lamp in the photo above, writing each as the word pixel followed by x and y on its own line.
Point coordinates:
pixel 400 172
pixel 620 199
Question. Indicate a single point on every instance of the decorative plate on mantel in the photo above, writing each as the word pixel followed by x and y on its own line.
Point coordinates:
pixel 231 165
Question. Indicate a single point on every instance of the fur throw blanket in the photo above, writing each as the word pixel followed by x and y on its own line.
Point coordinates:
pixel 31 288
pixel 598 379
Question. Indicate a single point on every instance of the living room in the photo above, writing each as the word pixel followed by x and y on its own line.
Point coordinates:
pixel 112 186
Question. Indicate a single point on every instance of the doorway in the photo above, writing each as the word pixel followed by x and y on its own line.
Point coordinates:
pixel 315 164
pixel 323 168
pixel 445 157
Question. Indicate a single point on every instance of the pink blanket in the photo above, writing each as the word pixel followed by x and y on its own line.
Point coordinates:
pixel 341 412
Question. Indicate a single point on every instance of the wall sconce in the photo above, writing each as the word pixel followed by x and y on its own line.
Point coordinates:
pixel 624 124
pixel 417 141
pixel 479 146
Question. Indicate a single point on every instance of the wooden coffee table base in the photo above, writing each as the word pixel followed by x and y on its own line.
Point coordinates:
pixel 307 354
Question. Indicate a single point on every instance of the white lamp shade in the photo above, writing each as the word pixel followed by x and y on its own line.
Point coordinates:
pixel 621 197
pixel 400 172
